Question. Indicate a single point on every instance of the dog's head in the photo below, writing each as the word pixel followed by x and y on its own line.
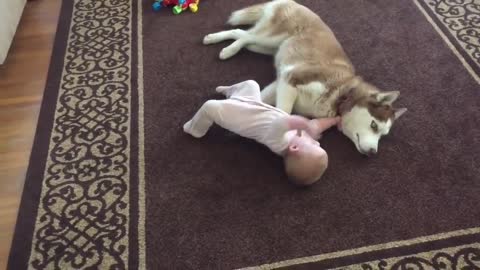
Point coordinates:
pixel 367 116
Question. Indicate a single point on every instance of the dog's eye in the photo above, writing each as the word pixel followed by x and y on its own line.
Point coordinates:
pixel 374 126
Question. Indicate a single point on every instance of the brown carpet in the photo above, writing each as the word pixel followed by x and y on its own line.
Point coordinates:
pixel 114 183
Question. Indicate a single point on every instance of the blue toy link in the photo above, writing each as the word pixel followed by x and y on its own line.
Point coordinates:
pixel 157 5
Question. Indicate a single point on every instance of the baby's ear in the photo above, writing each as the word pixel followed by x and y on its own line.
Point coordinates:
pixel 293 148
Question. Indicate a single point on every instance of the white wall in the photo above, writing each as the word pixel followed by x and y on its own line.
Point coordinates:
pixel 10 13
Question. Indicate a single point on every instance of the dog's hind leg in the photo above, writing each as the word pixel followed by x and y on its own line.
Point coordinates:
pixel 262 36
pixel 247 16
pixel 269 94
pixel 257 39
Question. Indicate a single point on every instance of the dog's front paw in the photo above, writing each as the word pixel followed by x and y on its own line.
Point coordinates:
pixel 209 39
pixel 227 53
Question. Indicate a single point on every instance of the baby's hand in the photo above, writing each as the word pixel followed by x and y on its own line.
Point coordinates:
pixel 338 119
pixel 314 131
pixel 339 123
pixel 322 124
pixel 313 127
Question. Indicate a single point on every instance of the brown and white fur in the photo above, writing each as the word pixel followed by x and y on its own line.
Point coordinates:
pixel 315 78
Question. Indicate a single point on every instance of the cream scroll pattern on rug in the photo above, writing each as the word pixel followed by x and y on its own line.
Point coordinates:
pixel 463 257
pixel 462 19
pixel 82 218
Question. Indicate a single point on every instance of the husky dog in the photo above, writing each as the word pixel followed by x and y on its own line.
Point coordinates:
pixel 315 78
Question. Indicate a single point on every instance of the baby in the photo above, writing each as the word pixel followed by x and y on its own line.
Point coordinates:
pixel 293 137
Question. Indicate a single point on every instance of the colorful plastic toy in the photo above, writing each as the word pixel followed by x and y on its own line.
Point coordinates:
pixel 178 5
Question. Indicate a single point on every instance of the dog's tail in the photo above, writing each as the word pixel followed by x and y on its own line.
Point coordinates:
pixel 248 15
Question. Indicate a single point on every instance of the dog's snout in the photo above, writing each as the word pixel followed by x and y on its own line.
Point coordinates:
pixel 372 152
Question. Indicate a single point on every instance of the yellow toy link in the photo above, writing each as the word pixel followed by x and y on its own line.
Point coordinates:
pixel 194 6
pixel 184 4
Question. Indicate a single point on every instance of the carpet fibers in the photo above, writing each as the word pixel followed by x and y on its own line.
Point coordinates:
pixel 114 183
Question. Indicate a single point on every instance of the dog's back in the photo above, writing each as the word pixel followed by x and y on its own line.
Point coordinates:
pixel 310 43
pixel 315 78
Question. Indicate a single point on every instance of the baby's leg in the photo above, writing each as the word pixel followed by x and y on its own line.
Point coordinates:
pixel 248 88
pixel 203 119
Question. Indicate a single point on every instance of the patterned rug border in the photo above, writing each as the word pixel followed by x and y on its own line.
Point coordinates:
pixel 85 194
pixel 451 41
pixel 475 232
pixel 120 32
pixel 25 225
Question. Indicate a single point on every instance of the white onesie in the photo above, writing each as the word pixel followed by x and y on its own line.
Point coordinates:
pixel 246 115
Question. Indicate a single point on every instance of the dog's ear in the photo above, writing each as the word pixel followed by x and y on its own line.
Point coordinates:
pixel 346 102
pixel 399 112
pixel 387 98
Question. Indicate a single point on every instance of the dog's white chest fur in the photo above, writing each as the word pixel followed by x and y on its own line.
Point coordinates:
pixel 313 101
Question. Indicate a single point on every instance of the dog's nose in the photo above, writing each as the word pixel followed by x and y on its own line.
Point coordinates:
pixel 372 152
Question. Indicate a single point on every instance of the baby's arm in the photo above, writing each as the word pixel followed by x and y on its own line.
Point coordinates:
pixel 298 122
pixel 319 125
pixel 292 122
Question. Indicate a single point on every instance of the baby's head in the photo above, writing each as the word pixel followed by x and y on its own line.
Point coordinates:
pixel 305 161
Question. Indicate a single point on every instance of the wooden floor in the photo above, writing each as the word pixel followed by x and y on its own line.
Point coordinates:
pixel 22 81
